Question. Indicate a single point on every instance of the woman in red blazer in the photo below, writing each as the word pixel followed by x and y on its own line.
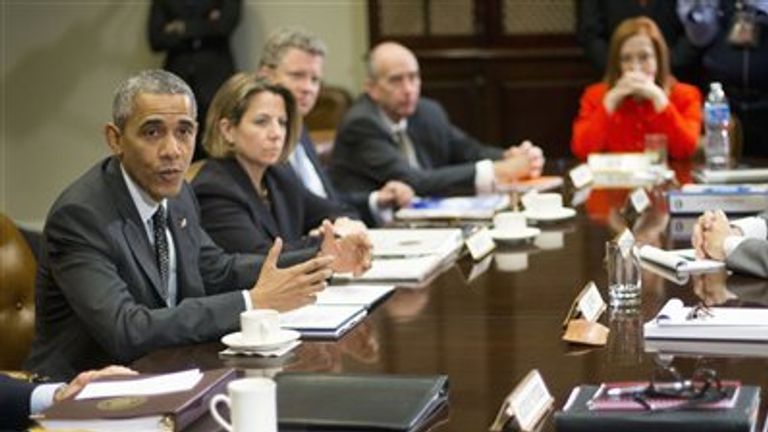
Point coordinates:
pixel 638 96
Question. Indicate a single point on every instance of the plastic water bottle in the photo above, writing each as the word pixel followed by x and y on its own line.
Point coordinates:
pixel 717 117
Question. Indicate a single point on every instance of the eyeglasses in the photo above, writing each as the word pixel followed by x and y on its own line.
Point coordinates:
pixel 700 311
pixel 703 387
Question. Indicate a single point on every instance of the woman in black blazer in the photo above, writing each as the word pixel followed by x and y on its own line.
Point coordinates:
pixel 248 196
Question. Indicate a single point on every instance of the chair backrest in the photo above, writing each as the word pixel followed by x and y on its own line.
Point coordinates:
pixel 332 103
pixel 17 295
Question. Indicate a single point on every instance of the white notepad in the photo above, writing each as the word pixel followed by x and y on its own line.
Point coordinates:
pixel 721 323
pixel 679 260
pixel 743 175
pixel 413 242
pixel 353 294
pixel 707 348
pixel 461 207
pixel 322 320
pixel 411 269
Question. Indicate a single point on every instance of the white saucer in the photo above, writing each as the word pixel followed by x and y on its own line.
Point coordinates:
pixel 550 216
pixel 514 236
pixel 282 338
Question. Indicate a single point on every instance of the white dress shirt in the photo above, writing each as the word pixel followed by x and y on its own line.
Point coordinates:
pixel 147 207
pixel 751 227
pixel 484 178
pixel 304 168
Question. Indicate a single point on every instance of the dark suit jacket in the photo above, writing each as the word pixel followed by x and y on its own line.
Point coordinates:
pixel 14 403
pixel 238 220
pixel 97 285
pixel 751 256
pixel 366 155
pixel 353 205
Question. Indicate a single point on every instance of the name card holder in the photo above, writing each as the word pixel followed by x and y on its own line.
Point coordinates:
pixel 479 268
pixel 580 196
pixel 581 176
pixel 528 404
pixel 589 305
pixel 640 200
pixel 480 244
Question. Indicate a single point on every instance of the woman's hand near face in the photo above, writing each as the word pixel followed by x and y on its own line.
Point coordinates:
pixel 638 85
pixel 616 95
pixel 644 87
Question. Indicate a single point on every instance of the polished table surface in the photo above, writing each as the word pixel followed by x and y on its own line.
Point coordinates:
pixel 488 333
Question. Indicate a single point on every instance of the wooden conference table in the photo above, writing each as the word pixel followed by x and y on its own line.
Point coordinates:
pixel 487 334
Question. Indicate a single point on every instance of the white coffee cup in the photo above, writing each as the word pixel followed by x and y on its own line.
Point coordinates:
pixel 511 261
pixel 545 202
pixel 252 405
pixel 550 240
pixel 509 222
pixel 259 325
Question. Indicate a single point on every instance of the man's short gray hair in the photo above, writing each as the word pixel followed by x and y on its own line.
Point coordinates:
pixel 285 38
pixel 153 81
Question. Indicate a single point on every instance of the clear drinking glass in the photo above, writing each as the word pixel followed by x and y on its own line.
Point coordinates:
pixel 624 276
pixel 656 148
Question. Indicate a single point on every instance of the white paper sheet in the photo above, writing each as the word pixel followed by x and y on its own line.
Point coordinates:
pixel 162 384
pixel 353 294
pixel 681 260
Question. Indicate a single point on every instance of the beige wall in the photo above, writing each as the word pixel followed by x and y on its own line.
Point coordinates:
pixel 60 62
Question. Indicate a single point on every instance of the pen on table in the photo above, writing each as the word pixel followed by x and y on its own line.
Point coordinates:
pixel 632 390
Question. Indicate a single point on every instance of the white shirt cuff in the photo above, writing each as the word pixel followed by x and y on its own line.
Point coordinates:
pixel 731 243
pixel 382 215
pixel 752 227
pixel 42 397
pixel 247 298
pixel 484 181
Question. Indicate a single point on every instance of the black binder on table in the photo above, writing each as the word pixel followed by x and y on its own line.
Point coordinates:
pixel 576 417
pixel 311 401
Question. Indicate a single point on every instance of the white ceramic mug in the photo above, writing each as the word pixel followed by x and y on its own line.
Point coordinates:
pixel 259 325
pixel 511 261
pixel 252 405
pixel 509 222
pixel 550 240
pixel 545 202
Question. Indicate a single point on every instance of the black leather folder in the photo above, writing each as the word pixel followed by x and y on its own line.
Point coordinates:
pixel 311 401
pixel 576 417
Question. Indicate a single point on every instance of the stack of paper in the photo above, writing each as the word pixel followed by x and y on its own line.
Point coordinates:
pixel 410 269
pixel 323 321
pixel 680 260
pixel 707 348
pixel 696 198
pixel 353 294
pixel 149 402
pixel 466 207
pixel 400 243
pixel 744 175
pixel 676 321
pixel 408 255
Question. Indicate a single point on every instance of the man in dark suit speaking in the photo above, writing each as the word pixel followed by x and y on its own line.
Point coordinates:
pixel 392 133
pixel 126 267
